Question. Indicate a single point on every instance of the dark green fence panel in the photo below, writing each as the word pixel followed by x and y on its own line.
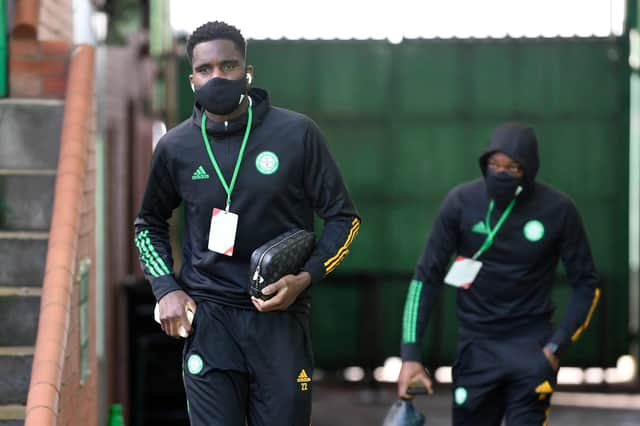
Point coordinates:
pixel 406 123
pixel 336 331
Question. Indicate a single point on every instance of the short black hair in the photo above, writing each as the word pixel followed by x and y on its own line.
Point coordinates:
pixel 214 31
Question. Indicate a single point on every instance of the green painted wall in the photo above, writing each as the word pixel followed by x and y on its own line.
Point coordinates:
pixel 406 123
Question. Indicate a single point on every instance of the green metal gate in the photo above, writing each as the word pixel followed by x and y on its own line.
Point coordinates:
pixel 406 123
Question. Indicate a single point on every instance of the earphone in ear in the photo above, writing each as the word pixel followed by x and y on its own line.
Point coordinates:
pixel 249 78
pixel 193 88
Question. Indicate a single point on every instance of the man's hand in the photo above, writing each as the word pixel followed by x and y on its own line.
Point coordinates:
pixel 173 312
pixel 412 371
pixel 286 290
pixel 552 358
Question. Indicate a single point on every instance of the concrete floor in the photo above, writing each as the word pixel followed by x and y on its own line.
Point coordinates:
pixel 353 406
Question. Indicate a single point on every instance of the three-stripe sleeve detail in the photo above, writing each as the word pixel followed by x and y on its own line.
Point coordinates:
pixel 149 256
pixel 410 318
pixel 335 260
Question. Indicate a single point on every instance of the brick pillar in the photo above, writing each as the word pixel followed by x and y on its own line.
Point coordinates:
pixel 38 68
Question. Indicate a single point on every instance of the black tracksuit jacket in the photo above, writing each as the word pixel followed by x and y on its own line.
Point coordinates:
pixel 307 180
pixel 512 292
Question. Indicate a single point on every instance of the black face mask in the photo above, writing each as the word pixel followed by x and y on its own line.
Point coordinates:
pixel 221 96
pixel 502 186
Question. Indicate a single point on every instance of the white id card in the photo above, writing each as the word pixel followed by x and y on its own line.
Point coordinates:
pixel 463 272
pixel 222 234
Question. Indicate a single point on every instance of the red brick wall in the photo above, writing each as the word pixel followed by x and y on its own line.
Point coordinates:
pixel 78 403
pixel 55 20
pixel 38 68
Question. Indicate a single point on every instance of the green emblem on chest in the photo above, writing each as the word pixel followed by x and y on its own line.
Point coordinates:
pixel 533 230
pixel 267 162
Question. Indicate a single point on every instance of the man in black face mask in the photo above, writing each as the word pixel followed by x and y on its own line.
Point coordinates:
pixel 246 172
pixel 508 233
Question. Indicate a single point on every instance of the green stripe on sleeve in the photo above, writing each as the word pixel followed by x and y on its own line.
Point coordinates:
pixel 416 303
pixel 157 260
pixel 153 267
pixel 407 309
pixel 144 257
pixel 149 255
pixel 410 318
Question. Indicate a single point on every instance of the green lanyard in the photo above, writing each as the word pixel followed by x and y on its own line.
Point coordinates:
pixel 227 187
pixel 491 233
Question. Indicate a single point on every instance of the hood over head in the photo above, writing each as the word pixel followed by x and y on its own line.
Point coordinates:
pixel 518 141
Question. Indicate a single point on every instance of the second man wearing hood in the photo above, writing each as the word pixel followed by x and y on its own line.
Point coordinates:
pixel 508 233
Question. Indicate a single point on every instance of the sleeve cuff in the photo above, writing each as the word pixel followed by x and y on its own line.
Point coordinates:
pixel 315 269
pixel 561 338
pixel 163 285
pixel 411 352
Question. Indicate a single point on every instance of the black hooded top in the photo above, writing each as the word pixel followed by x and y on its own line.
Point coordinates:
pixel 511 294
pixel 299 179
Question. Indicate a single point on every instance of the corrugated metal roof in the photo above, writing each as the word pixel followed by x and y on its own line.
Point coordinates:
pixel 407 19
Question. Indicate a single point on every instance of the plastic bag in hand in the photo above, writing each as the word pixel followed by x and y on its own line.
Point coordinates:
pixel 404 413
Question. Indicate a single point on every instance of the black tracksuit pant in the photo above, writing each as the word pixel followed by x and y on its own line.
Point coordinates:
pixel 502 377
pixel 246 367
